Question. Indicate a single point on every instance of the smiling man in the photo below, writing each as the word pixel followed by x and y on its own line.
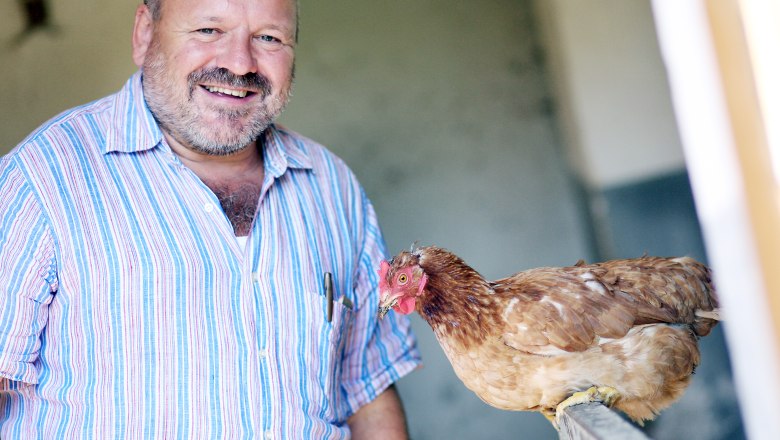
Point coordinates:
pixel 163 251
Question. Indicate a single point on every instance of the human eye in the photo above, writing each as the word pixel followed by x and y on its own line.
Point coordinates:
pixel 273 41
pixel 269 39
pixel 207 31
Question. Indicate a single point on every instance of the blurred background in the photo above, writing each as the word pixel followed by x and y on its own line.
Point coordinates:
pixel 517 133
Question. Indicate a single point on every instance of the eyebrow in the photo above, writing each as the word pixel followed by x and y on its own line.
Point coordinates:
pixel 284 29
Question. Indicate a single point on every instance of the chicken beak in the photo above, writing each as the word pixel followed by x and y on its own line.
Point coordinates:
pixel 385 304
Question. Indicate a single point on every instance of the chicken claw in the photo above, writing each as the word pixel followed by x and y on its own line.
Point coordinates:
pixel 604 395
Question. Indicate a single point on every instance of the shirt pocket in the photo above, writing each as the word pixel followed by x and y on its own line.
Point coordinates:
pixel 331 339
pixel 334 328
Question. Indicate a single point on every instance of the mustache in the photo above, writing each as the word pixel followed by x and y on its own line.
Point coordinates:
pixel 254 82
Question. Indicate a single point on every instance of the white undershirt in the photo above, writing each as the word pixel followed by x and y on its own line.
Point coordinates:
pixel 241 241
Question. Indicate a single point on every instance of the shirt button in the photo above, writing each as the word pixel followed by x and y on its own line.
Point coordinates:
pixel 269 435
pixel 262 353
pixel 208 207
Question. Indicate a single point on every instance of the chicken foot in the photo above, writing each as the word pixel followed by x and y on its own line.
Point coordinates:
pixel 604 395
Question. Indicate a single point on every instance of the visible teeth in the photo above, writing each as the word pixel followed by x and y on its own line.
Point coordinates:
pixel 224 91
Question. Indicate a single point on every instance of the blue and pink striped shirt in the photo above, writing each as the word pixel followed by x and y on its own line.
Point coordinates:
pixel 128 309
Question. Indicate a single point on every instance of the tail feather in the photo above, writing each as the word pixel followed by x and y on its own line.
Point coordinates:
pixel 705 320
pixel 709 314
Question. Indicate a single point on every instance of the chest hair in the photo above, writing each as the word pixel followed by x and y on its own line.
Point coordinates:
pixel 239 203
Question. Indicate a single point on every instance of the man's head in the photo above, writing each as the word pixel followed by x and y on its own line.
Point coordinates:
pixel 216 73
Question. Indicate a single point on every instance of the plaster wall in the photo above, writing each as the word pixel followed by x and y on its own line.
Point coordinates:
pixel 611 90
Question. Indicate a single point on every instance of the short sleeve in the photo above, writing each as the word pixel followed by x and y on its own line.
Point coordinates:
pixel 27 275
pixel 379 351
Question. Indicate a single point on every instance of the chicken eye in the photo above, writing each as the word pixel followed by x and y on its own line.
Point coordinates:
pixel 403 278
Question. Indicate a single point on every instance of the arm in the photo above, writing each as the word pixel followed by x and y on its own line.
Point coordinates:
pixel 380 350
pixel 27 278
pixel 381 419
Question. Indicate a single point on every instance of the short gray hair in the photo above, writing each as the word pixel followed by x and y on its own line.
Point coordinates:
pixel 154 8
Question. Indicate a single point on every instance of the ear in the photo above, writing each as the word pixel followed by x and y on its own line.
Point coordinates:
pixel 384 267
pixel 423 282
pixel 143 31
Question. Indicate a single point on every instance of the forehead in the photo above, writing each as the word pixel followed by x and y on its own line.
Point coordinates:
pixel 276 11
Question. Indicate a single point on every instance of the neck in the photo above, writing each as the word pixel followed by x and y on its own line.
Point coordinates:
pixel 225 168
pixel 236 179
pixel 457 304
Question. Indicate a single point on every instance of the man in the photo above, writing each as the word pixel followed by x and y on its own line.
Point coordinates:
pixel 133 306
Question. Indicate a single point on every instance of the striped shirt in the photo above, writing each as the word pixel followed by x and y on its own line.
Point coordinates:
pixel 128 309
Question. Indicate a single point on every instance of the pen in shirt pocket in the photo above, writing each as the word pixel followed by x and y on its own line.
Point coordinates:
pixel 328 281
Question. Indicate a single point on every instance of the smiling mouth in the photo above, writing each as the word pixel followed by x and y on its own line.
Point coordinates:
pixel 228 92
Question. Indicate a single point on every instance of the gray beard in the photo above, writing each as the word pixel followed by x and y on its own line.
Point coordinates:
pixel 176 114
pixel 185 127
pixel 200 142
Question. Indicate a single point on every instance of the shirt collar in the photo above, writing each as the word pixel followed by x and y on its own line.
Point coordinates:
pixel 283 149
pixel 132 128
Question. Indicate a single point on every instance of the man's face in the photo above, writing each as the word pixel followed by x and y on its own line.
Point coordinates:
pixel 216 73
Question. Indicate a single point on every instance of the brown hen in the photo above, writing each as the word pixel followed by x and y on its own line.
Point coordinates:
pixel 626 330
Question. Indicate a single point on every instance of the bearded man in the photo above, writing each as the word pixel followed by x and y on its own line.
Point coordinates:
pixel 164 250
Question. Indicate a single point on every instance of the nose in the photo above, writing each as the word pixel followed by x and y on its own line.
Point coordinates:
pixel 237 56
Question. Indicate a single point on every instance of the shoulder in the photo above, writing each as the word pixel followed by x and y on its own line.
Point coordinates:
pixel 78 127
pixel 323 177
pixel 55 157
pixel 326 169
pixel 120 122
pixel 319 157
